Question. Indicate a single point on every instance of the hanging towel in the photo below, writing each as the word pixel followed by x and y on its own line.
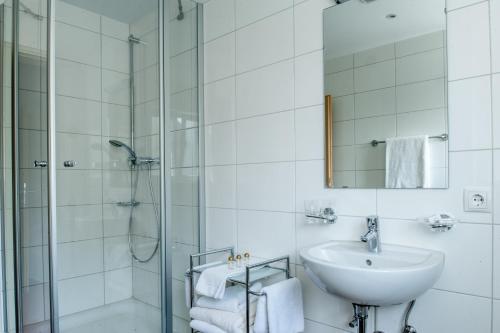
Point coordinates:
pixel 234 299
pixel 407 162
pixel 203 327
pixel 212 281
pixel 281 310
pixel 187 287
pixel 229 322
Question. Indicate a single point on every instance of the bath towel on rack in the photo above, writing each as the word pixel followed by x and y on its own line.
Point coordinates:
pixel 281 309
pixel 212 281
pixel 229 322
pixel 234 299
pixel 407 162
pixel 201 326
pixel 187 286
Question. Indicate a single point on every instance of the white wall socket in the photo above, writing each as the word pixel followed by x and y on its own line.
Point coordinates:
pixel 477 199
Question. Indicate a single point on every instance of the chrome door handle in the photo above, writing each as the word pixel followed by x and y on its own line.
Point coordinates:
pixel 69 164
pixel 39 164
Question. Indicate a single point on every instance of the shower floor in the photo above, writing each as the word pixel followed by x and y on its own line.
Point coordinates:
pixel 128 316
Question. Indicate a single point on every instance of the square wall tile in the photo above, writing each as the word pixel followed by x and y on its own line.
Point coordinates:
pixel 248 12
pixel 309 79
pixel 266 138
pixel 309 133
pixel 265 42
pixel 218 18
pixel 221 186
pixel 308 18
pixel 470 112
pixel 221 228
pixel 496 262
pixel 266 90
pixel 220 144
pixel 118 285
pixel 420 67
pixel 495 89
pixel 468 41
pixel 220 101
pixel 81 293
pixel 375 76
pixel 220 58
pixel 269 186
pixel 495 34
pixel 78 45
pixel 266 234
pixel 340 83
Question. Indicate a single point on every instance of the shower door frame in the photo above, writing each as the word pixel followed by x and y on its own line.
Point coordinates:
pixel 165 220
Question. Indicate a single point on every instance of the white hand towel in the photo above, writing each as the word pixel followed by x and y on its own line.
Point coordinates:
pixel 234 299
pixel 407 162
pixel 212 281
pixel 187 287
pixel 281 310
pixel 204 327
pixel 229 322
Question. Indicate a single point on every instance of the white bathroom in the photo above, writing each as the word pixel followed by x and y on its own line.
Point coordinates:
pixel 237 166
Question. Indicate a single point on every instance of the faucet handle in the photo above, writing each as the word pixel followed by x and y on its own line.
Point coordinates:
pixel 372 222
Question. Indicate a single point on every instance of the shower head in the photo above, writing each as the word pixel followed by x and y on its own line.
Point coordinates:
pixel 180 16
pixel 119 144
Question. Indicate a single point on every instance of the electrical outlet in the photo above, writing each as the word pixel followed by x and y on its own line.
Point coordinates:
pixel 477 199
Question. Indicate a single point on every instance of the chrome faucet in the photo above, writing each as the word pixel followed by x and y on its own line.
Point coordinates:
pixel 372 237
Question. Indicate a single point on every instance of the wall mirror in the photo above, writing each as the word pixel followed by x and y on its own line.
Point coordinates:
pixel 386 115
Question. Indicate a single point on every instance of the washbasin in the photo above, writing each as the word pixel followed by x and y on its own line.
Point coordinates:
pixel 395 275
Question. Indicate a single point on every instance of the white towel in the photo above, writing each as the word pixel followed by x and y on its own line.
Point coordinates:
pixel 212 281
pixel 281 310
pixel 203 327
pixel 234 299
pixel 407 162
pixel 187 287
pixel 230 322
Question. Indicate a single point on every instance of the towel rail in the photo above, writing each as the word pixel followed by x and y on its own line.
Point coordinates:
pixel 238 280
pixel 442 137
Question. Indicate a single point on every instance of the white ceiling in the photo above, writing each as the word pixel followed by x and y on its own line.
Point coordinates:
pixel 355 26
pixel 126 11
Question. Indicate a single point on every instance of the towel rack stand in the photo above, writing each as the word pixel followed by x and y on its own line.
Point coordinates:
pixel 266 269
pixel 442 137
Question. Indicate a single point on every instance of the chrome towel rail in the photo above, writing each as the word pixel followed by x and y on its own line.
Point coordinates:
pixel 442 137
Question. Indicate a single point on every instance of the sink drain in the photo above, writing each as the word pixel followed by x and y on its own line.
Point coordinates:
pixel 368 262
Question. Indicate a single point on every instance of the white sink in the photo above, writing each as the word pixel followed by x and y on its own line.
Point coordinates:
pixel 396 275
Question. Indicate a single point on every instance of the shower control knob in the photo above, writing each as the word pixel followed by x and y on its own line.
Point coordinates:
pixel 69 164
pixel 39 164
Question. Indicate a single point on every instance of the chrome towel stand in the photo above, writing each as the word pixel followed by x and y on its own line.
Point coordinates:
pixel 261 270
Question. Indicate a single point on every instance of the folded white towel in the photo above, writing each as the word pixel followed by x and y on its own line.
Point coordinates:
pixel 234 299
pixel 212 281
pixel 407 162
pixel 230 322
pixel 187 289
pixel 204 327
pixel 281 310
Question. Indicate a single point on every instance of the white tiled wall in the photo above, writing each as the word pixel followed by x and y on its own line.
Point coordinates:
pixel 264 151
pixel 397 89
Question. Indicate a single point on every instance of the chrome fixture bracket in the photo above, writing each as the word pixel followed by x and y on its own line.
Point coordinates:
pixel 326 216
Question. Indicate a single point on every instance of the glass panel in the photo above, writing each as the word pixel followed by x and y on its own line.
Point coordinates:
pixel 7 301
pixel 107 114
pixel 32 187
pixel 183 131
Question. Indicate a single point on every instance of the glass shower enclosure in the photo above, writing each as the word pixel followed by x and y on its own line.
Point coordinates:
pixel 100 190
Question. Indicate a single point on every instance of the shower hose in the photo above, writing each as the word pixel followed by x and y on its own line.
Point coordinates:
pixel 131 246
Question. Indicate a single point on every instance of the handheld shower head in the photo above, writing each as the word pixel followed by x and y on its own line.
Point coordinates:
pixel 119 144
